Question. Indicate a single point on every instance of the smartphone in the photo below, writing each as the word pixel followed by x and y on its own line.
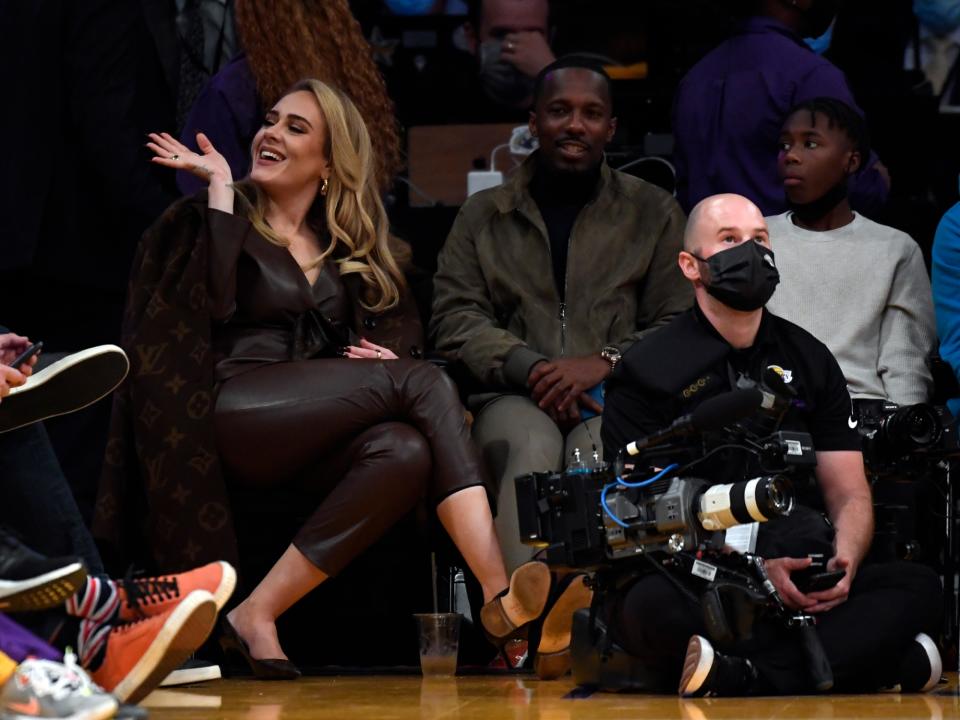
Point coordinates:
pixel 25 356
pixel 597 392
pixel 819 581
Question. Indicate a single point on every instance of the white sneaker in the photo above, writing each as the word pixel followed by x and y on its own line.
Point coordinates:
pixel 921 666
pixel 192 671
pixel 42 688
pixel 76 381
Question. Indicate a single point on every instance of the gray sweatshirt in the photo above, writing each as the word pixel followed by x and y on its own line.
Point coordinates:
pixel 863 291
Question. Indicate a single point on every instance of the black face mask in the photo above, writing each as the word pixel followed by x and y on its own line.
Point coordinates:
pixel 743 277
pixel 816 209
pixel 501 81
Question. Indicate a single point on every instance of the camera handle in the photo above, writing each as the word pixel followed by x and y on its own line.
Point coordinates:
pixel 820 671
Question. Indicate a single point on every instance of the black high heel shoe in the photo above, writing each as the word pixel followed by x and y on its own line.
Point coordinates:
pixel 231 641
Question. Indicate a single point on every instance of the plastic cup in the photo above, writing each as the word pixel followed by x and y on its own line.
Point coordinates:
pixel 439 643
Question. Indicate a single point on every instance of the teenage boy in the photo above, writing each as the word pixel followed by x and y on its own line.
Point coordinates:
pixel 858 286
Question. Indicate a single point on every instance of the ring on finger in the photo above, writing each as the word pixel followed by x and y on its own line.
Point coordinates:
pixel 174 157
pixel 379 355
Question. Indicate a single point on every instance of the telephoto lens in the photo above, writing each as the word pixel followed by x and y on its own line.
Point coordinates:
pixel 756 500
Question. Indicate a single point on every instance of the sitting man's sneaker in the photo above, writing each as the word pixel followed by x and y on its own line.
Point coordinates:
pixel 707 672
pixel 78 380
pixel 46 689
pixel 31 581
pixel 144 597
pixel 921 666
pixel 136 656
pixel 192 671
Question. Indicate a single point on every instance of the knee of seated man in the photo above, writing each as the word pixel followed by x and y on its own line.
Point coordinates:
pixel 924 582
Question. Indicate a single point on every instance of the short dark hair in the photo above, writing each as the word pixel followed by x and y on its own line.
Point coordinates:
pixel 475 13
pixel 841 116
pixel 584 62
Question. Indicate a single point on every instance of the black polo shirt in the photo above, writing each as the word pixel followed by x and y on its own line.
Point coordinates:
pixel 671 371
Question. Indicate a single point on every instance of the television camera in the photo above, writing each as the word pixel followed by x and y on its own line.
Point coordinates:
pixel 592 517
pixel 604 519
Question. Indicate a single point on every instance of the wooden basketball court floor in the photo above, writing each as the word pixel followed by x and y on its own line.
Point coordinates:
pixel 515 697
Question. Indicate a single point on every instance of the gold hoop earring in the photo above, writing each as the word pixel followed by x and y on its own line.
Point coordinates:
pixel 323 186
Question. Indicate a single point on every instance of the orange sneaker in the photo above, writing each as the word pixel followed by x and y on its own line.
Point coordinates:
pixel 142 653
pixel 145 597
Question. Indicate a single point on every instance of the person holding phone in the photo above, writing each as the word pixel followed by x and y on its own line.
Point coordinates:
pixel 12 373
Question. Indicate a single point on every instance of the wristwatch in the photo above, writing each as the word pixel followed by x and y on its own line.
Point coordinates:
pixel 611 354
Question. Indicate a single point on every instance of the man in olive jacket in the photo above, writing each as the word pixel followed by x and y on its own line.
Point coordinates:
pixel 544 281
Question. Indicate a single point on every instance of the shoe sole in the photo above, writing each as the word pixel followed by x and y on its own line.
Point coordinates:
pixel 188 676
pixel 67 385
pixel 696 666
pixel 553 653
pixel 228 583
pixel 529 592
pixel 104 712
pixel 936 662
pixel 43 591
pixel 188 626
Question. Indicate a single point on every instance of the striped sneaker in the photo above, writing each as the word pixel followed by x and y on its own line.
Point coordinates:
pixel 143 597
pixel 139 655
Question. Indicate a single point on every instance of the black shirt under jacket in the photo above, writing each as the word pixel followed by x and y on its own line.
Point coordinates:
pixel 672 370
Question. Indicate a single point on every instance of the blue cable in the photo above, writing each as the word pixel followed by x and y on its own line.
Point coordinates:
pixel 621 481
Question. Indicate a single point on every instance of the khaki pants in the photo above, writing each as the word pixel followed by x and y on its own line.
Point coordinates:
pixel 517 437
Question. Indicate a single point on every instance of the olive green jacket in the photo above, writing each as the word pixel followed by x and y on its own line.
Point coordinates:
pixel 495 304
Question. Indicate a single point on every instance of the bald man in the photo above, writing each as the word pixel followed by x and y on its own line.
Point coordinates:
pixel 876 623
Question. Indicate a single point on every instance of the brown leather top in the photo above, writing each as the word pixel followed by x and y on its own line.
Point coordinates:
pixel 264 308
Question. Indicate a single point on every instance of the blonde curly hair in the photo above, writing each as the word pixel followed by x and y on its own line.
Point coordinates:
pixel 286 40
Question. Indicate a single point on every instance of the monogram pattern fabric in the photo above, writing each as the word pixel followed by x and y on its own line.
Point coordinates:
pixel 161 434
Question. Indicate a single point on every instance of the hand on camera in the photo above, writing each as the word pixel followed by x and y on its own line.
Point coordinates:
pixel 830 598
pixel 779 570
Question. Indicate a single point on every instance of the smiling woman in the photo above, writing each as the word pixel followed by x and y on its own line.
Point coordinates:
pixel 295 262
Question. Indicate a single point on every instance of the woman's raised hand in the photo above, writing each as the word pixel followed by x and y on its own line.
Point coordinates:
pixel 210 165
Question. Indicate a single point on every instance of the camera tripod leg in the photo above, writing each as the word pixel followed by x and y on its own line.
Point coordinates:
pixel 951 602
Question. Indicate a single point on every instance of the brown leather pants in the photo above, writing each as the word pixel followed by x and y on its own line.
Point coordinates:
pixel 375 436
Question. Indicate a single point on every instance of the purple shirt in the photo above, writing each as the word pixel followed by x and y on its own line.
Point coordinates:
pixel 729 110
pixel 228 112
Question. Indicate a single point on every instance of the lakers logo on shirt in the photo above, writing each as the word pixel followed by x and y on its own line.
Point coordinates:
pixel 787 375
